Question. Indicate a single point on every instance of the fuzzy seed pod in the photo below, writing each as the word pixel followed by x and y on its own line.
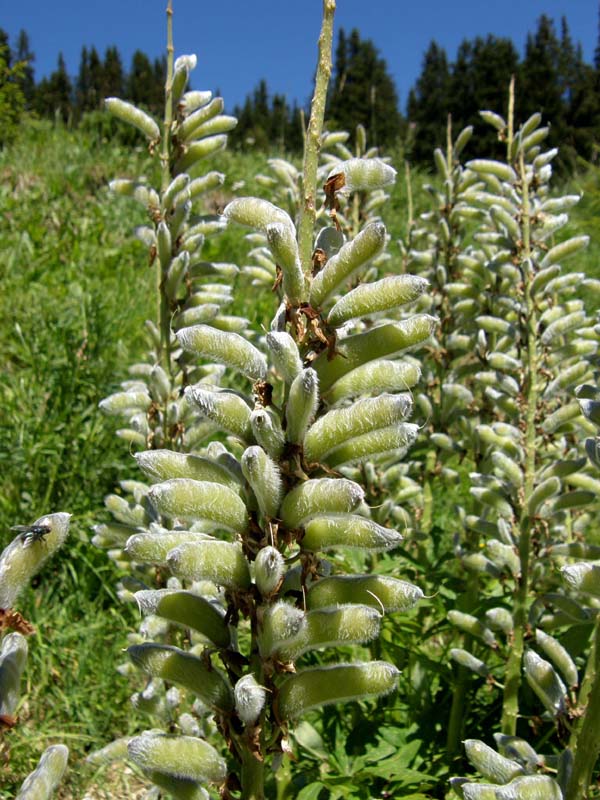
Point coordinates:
pixel 320 686
pixel 374 443
pixel 223 563
pixel 184 757
pixel 332 627
pixel 379 591
pixel 187 499
pixel 347 530
pixel 250 699
pixel 372 298
pixel 530 787
pixel 134 116
pixel 336 427
pixel 125 403
pixel 282 627
pixel 198 150
pixel 302 405
pixel 230 349
pixel 364 174
pixel 187 129
pixel 269 568
pixel 351 257
pixel 267 430
pixel 263 475
pixel 283 245
pixel 375 377
pixel 382 342
pixel 184 669
pixel 152 548
pixel 490 764
pixel 320 496
pixel 285 355
pixel 43 781
pixel 160 465
pixel 467 660
pixel 189 610
pixel 560 657
pixel 13 658
pixel 255 213
pixel 471 625
pixel 583 577
pixel 226 409
pixel 27 553
pixel 545 682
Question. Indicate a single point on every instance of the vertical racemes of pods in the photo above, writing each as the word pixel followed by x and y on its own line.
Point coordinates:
pixel 189 289
pixel 252 515
pixel 19 562
pixel 536 341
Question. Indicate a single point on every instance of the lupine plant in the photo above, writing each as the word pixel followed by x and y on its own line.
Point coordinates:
pixel 251 515
pixel 19 562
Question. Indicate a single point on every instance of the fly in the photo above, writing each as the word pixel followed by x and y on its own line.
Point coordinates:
pixel 32 533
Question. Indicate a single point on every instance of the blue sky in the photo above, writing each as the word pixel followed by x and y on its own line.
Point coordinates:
pixel 238 42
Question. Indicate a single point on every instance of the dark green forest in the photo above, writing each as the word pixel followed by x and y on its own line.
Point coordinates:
pixel 552 77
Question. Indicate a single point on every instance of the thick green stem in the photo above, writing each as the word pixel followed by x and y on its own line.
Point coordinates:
pixel 164 312
pixel 585 739
pixel 510 706
pixel 253 777
pixel 308 210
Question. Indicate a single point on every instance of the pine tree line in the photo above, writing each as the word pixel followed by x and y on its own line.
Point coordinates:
pixel 552 76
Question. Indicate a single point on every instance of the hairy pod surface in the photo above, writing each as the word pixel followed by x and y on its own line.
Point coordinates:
pixel 183 757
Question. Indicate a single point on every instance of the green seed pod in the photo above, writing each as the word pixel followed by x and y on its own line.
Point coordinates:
pixel 114 751
pixel 178 788
pixel 152 548
pixel 230 349
pixel 364 174
pixel 371 298
pixel 224 408
pixel 159 384
pixel 561 659
pixel 332 627
pixel 283 245
pixel 263 475
pixel 504 555
pixel 467 660
pixel 479 791
pixel 564 249
pixel 250 699
pixel 493 119
pixel 500 619
pixel 320 686
pixel 125 403
pixel 506 221
pixel 471 625
pixel 302 404
pixel 128 513
pixel 205 183
pixel 187 499
pixel 284 354
pixel 530 787
pixel 463 138
pixel 160 465
pixel 545 682
pixel 490 764
pixel 583 577
pixel 282 626
pixel 198 150
pixel 336 427
pixel 43 781
pixel 267 430
pixel 379 591
pixel 176 274
pixel 13 658
pixel 495 168
pixel 177 185
pixel 384 341
pixel 575 499
pixel 351 257
pixel 347 530
pixel 27 553
pixel 518 750
pixel 111 534
pixel 564 325
pixel 320 496
pixel 255 213
pixel 375 443
pixel 164 244
pixel 184 757
pixel 184 669
pixel 189 610
pixel 542 492
pixel 562 416
pixel 269 568
pixel 223 563
pixel 376 377
pixel 543 277
pixel 134 116
pixel 221 124
pixel 187 129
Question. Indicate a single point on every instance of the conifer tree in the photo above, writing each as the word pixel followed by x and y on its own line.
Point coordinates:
pixel 53 96
pixel 362 91
pixel 26 57
pixel 429 102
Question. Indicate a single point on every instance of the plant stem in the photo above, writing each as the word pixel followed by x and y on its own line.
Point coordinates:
pixel 585 739
pixel 164 313
pixel 510 706
pixel 253 777
pixel 308 210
